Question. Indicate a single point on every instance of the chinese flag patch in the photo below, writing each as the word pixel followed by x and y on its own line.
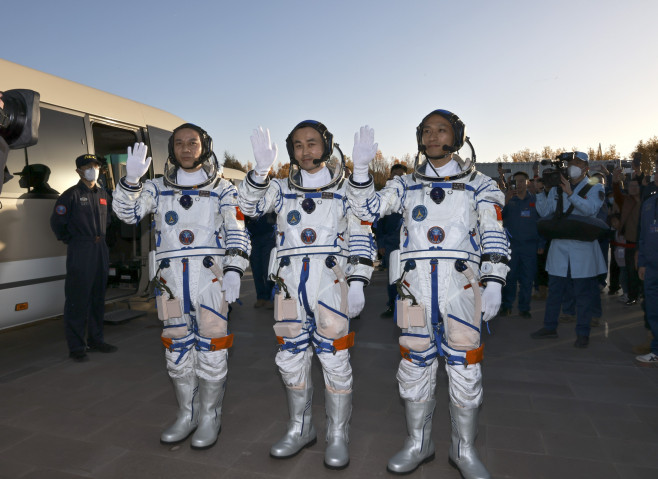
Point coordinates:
pixel 499 213
pixel 103 201
pixel 238 214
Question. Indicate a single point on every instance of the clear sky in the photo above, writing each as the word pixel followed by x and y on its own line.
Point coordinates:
pixel 521 74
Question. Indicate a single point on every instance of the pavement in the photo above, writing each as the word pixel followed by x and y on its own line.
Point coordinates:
pixel 550 410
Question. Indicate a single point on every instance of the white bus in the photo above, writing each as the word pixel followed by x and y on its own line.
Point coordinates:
pixel 75 119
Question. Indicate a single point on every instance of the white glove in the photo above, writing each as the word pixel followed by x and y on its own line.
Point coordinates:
pixel 137 164
pixel 491 300
pixel 363 153
pixel 231 286
pixel 265 152
pixel 355 299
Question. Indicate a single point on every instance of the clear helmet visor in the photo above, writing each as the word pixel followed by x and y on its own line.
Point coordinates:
pixel 465 158
pixel 334 170
pixel 209 166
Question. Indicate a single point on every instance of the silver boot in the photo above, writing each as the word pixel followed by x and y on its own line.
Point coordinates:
pixel 211 395
pixel 188 410
pixel 339 410
pixel 301 432
pixel 463 454
pixel 418 447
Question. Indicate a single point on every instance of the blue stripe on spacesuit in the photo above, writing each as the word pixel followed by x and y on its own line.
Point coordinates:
pixel 186 286
pixel 419 186
pixel 313 195
pixel 361 244
pixel 436 314
pixel 465 323
pixel 301 290
pixel 203 306
pixel 237 239
pixel 473 243
pixel 188 192
pixel 333 310
pixel 182 345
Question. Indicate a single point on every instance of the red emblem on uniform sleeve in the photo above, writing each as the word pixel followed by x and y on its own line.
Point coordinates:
pixel 499 213
pixel 103 201
pixel 532 205
pixel 238 214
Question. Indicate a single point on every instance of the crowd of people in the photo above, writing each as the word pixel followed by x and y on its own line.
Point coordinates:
pixel 571 274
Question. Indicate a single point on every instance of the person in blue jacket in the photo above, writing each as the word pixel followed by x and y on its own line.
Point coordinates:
pixel 648 272
pixel 580 261
pixel 520 219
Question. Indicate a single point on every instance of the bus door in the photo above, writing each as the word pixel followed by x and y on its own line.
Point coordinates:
pixel 125 242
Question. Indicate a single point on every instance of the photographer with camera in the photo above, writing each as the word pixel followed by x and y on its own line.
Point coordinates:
pixel 520 219
pixel 629 204
pixel 578 260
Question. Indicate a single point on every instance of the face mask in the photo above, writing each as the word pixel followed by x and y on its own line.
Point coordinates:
pixel 91 174
pixel 574 172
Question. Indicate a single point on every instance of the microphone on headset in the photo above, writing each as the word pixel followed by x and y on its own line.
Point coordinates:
pixel 318 161
pixel 450 149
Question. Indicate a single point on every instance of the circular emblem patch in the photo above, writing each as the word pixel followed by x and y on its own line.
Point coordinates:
pixel 308 236
pixel 60 209
pixel 186 201
pixel 186 237
pixel 294 217
pixel 308 205
pixel 437 194
pixel 436 234
pixel 171 217
pixel 419 213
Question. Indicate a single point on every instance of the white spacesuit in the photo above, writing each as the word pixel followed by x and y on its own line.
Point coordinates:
pixel 202 249
pixel 321 247
pixel 451 243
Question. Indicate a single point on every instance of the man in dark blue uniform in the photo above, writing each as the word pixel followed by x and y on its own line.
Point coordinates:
pixel 388 240
pixel 520 219
pixel 648 272
pixel 261 231
pixel 80 219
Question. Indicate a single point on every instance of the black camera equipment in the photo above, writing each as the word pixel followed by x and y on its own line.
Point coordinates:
pixel 512 184
pixel 553 176
pixel 19 118
pixel 19 125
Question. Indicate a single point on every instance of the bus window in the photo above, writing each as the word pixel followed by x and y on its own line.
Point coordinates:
pixel 61 140
pixel 15 163
pixel 159 148
pixel 111 143
pixel 50 166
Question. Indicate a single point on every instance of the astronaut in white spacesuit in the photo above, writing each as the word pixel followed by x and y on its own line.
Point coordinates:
pixel 201 251
pixel 322 261
pixel 452 243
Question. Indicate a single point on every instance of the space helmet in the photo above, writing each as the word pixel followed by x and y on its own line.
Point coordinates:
pixel 462 150
pixel 208 161
pixel 335 164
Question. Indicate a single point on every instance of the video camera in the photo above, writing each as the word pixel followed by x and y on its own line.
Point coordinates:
pixel 19 125
pixel 19 118
pixel 559 168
